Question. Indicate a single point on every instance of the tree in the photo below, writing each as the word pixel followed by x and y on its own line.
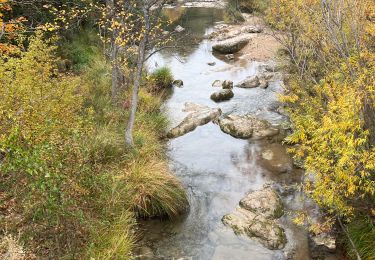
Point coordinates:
pixel 135 28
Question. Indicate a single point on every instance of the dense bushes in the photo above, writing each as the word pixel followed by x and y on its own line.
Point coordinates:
pixel 330 99
pixel 333 70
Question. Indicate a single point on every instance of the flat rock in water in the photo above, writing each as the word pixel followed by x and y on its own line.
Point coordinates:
pixel 265 202
pixel 246 127
pixel 231 45
pixel 257 219
pixel 199 115
pixel 222 95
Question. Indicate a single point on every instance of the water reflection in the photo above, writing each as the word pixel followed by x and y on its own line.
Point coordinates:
pixel 196 22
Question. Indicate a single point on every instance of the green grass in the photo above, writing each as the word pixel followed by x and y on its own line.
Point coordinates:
pixel 115 240
pixel 362 232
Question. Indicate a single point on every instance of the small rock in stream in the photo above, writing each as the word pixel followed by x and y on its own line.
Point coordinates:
pixel 211 63
pixel 323 243
pixel 227 84
pixel 222 95
pixel 178 83
pixel 255 81
pixel 265 202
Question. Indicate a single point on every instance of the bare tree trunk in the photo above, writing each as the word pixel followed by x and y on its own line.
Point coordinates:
pixel 114 57
pixel 137 79
pixel 369 119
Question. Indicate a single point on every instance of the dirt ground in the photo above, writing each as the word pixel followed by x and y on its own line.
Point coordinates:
pixel 263 46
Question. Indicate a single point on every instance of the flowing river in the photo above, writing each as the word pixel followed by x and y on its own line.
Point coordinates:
pixel 216 168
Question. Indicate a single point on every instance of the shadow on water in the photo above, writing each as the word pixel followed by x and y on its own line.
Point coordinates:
pixel 217 169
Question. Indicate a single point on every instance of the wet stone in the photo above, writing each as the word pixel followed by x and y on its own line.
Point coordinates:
pixel 255 217
pixel 222 95
pixel 246 127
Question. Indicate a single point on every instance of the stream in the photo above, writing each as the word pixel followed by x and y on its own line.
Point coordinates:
pixel 216 168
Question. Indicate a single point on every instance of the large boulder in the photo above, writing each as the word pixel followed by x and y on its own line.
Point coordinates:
pixel 265 202
pixel 255 217
pixel 199 115
pixel 231 45
pixel 246 127
pixel 222 95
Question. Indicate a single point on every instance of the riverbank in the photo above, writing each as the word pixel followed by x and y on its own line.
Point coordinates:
pixel 100 187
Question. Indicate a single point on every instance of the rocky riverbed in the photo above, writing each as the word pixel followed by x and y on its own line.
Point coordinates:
pixel 225 146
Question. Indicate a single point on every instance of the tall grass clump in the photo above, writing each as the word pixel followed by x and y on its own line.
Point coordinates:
pixel 162 79
pixel 153 190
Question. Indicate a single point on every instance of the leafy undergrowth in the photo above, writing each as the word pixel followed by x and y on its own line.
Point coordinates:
pixel 69 186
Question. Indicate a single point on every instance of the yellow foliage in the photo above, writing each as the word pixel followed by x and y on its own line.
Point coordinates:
pixel 332 51
pixel 35 99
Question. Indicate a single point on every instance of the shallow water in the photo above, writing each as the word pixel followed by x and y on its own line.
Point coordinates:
pixel 217 169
